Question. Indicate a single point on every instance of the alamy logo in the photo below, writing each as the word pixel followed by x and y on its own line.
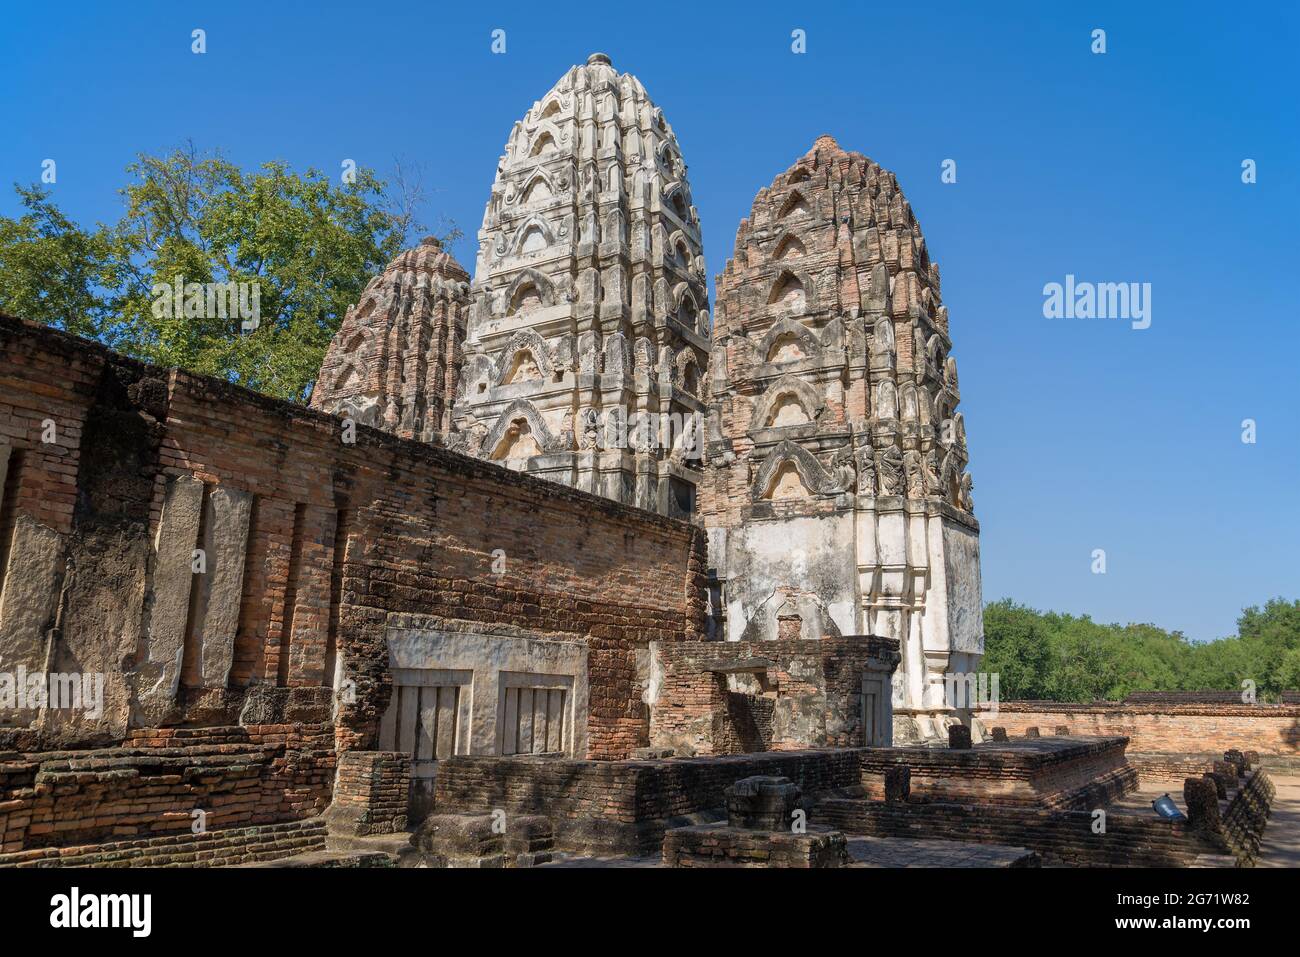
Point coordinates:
pixel 57 690
pixel 209 300
pixel 75 910
pixel 971 690
pixel 1098 300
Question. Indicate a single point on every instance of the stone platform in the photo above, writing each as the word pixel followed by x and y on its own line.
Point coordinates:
pixel 1045 772
pixel 624 807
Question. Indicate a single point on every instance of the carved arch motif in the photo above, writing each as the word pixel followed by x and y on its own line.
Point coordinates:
pixel 546 132
pixel 793 290
pixel 533 224
pixel 815 478
pixel 529 277
pixel 796 204
pixel 540 179
pixel 789 246
pixel 526 340
pixel 788 327
pixel 516 410
pixel 688 371
pixel 805 395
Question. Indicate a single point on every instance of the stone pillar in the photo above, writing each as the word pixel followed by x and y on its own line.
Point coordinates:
pixel 959 737
pixel 898 784
pixel 1226 773
pixel 1202 800
pixel 1216 781
pixel 999 734
pixel 762 802
pixel 1031 731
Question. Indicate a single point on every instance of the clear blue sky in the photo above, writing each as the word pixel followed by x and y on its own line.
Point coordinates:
pixel 1126 166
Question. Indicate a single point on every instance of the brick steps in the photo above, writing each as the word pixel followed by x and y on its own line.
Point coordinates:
pixel 473 840
pixel 231 846
pixel 1060 837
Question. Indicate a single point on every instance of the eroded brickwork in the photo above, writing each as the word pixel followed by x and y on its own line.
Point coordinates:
pixel 742 697
pixel 1171 727
pixel 321 539
pixel 395 361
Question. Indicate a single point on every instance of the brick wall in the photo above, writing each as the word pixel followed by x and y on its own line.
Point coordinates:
pixel 809 695
pixel 312 542
pixel 69 798
pixel 624 806
pixel 1052 773
pixel 734 847
pixel 371 792
pixel 241 845
pixel 1162 727
pixel 1061 837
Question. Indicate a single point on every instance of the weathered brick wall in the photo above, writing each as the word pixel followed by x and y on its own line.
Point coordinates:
pixel 311 541
pixel 812 697
pixel 1051 774
pixel 1171 766
pixel 623 806
pixel 732 847
pixel 68 798
pixel 1060 837
pixel 241 845
pixel 371 792
pixel 1163 727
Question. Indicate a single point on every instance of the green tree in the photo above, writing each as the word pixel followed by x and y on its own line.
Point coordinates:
pixel 1069 658
pixel 52 271
pixel 306 246
pixel 1015 649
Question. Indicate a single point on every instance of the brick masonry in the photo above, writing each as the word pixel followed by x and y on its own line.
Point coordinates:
pixel 322 538
pixel 226 848
pixel 1047 773
pixel 625 806
pixel 799 694
pixel 1163 726
pixel 718 846
pixel 70 798
pixel 371 793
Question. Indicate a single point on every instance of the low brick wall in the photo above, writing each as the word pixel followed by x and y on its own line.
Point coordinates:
pixel 719 846
pixel 625 806
pixel 1154 766
pixel 371 793
pixel 1060 837
pixel 225 848
pixel 1041 772
pixel 69 798
pixel 1162 726
pixel 1246 816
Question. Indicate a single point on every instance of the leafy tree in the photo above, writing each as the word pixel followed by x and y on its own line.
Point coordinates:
pixel 52 271
pixel 304 246
pixel 1068 658
pixel 1019 655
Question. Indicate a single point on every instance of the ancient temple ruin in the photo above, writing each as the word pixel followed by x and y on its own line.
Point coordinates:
pixel 467 582
pixel 835 495
pixel 395 362
pixel 815 421
pixel 589 313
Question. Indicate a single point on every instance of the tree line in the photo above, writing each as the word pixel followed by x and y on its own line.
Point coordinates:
pixel 1058 657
